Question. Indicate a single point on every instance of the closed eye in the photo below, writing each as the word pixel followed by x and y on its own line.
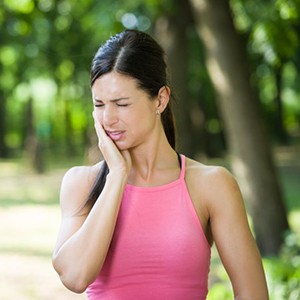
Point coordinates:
pixel 98 105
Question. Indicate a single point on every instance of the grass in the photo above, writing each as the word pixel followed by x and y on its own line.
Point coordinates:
pixel 30 216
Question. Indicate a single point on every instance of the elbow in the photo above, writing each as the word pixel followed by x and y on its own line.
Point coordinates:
pixel 76 285
pixel 73 280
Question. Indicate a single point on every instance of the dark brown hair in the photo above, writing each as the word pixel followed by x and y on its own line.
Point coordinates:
pixel 138 55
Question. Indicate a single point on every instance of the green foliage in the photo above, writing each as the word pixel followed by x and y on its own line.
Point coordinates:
pixel 47 45
pixel 45 54
pixel 283 272
pixel 272 26
pixel 219 291
pixel 272 29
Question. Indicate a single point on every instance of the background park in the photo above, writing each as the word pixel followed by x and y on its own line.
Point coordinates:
pixel 235 71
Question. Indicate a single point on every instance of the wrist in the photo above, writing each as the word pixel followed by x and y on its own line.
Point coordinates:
pixel 117 176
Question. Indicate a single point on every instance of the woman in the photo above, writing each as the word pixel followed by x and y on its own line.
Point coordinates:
pixel 140 223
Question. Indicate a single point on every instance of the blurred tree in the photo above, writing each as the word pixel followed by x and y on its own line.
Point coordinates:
pixel 171 32
pixel 45 52
pixel 3 147
pixel 33 146
pixel 194 112
pixel 249 149
pixel 272 28
pixel 6 59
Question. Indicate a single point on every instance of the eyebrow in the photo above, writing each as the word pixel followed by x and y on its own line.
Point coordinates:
pixel 112 100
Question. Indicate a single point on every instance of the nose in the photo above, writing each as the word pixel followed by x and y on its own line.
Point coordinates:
pixel 109 116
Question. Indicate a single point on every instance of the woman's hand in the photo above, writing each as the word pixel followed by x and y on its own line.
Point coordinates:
pixel 115 159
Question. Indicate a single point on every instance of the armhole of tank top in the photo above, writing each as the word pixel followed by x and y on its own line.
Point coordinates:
pixel 181 159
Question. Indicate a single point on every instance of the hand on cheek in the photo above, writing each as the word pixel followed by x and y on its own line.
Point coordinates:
pixel 114 158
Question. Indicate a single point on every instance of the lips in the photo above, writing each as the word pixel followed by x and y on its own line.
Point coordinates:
pixel 115 135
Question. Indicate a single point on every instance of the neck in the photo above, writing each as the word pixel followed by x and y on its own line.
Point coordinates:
pixel 153 161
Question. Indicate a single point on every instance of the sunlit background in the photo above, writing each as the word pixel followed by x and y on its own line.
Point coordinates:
pixel 46 47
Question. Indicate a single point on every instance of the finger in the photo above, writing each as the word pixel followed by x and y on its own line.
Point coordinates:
pixel 99 128
pixel 105 144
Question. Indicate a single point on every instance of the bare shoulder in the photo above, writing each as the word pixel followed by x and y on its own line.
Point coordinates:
pixel 214 183
pixel 200 171
pixel 76 186
pixel 81 174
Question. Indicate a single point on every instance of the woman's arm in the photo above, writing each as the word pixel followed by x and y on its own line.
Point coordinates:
pixel 84 239
pixel 234 241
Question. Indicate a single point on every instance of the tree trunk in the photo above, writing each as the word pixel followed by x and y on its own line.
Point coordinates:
pixel 3 147
pixel 245 134
pixel 171 32
pixel 33 147
pixel 279 119
pixel 71 151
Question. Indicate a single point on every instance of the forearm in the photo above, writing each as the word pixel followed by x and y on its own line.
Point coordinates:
pixel 257 297
pixel 258 293
pixel 81 257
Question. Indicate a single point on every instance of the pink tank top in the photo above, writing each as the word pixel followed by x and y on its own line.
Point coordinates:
pixel 158 250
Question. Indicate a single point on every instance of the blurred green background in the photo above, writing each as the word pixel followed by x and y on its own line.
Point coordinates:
pixel 46 47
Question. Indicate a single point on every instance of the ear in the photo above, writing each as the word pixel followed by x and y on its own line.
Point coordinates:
pixel 163 98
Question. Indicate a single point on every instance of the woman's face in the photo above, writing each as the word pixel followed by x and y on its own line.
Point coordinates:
pixel 125 111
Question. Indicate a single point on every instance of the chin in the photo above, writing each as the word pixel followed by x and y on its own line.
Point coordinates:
pixel 122 146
